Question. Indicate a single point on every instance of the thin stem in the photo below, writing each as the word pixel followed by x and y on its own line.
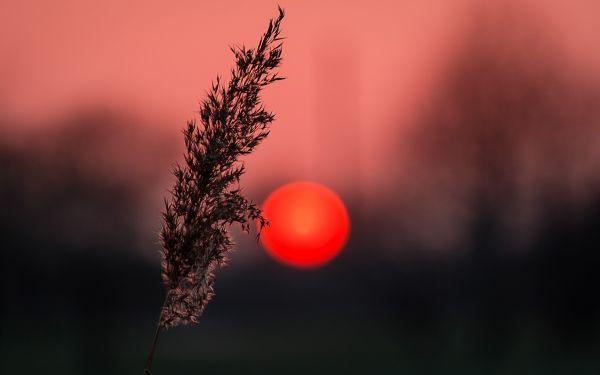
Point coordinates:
pixel 151 354
pixel 154 342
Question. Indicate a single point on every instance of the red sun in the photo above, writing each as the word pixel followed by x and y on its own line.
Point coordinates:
pixel 308 224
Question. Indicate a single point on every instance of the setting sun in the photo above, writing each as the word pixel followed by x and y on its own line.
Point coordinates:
pixel 308 227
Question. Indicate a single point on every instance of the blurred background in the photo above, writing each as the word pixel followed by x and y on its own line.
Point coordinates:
pixel 463 136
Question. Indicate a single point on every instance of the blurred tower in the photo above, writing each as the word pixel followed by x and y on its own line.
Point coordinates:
pixel 338 152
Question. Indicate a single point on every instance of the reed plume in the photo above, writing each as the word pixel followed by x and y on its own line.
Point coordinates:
pixel 206 197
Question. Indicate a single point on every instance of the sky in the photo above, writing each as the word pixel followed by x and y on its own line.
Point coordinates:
pixel 362 82
pixel 356 72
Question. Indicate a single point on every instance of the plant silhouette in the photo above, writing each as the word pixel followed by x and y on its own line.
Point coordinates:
pixel 206 198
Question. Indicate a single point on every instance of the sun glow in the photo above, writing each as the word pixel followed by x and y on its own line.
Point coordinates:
pixel 308 227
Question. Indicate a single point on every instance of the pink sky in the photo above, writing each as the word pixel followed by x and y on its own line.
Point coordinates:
pixel 357 70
